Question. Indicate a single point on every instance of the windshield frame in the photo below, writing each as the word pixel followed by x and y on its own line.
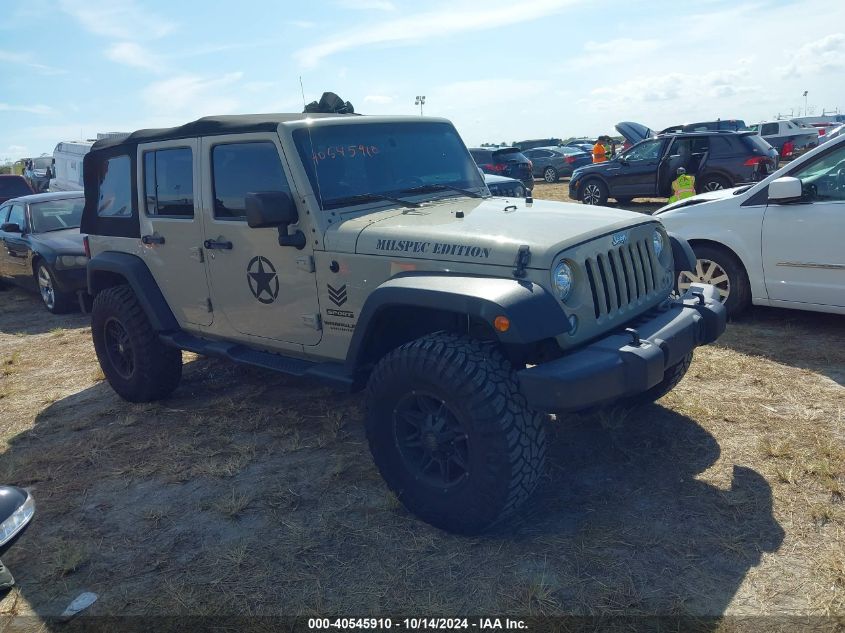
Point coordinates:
pixel 471 179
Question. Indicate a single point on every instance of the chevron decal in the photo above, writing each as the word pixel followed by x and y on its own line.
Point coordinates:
pixel 337 295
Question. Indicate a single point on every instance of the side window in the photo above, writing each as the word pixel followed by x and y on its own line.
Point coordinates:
pixel 4 213
pixel 241 168
pixel 769 129
pixel 169 182
pixel 115 187
pixel 821 179
pixel 720 146
pixel 700 144
pixel 18 216
pixel 647 150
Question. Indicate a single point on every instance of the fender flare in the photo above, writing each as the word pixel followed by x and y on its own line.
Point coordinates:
pixel 136 273
pixel 682 253
pixel 533 312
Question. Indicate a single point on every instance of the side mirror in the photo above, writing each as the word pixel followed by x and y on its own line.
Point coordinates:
pixel 17 508
pixel 622 160
pixel 786 189
pixel 274 209
pixel 10 227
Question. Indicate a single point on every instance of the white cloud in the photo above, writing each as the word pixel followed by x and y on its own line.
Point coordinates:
pixel 25 59
pixel 609 52
pixel 117 19
pixel 822 55
pixel 367 5
pixel 192 96
pixel 133 54
pixel 31 109
pixel 427 25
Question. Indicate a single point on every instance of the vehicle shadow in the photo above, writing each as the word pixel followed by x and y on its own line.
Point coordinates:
pixel 24 313
pixel 637 531
pixel 808 340
pixel 248 492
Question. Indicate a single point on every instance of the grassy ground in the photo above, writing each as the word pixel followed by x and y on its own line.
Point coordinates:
pixel 248 492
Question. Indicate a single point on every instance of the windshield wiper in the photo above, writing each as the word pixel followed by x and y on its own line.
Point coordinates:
pixel 439 186
pixel 367 197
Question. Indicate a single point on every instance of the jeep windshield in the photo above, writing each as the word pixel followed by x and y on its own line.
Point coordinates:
pixel 350 164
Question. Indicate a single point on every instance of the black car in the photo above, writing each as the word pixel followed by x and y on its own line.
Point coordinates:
pixel 41 247
pixel 717 160
pixel 504 161
pixel 12 186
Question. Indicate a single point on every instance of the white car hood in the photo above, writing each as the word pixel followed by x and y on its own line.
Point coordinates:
pixel 720 194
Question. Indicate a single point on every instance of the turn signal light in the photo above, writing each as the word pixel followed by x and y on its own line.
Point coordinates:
pixel 502 323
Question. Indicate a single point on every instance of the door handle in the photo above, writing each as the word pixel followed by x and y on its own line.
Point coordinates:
pixel 152 239
pixel 219 244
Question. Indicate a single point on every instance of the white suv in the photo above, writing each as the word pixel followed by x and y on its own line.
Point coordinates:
pixel 779 242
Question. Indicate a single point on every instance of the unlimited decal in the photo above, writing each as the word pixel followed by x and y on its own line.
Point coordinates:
pixel 435 248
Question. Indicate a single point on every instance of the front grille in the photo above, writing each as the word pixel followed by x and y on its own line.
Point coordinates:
pixel 623 277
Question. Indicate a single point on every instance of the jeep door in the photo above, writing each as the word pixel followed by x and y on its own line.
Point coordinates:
pixel 171 226
pixel 264 290
pixel 803 255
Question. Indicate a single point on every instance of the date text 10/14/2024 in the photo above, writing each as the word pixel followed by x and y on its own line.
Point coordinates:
pixel 417 624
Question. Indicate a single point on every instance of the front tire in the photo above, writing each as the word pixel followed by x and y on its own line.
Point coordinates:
pixel 138 366
pixel 721 268
pixel 56 301
pixel 550 175
pixel 451 434
pixel 594 192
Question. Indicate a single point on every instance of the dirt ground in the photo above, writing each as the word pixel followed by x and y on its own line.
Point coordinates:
pixel 253 493
pixel 560 191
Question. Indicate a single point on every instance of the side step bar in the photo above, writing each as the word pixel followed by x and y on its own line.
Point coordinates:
pixel 329 372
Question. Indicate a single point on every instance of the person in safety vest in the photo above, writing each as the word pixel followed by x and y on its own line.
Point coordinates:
pixel 683 186
pixel 599 152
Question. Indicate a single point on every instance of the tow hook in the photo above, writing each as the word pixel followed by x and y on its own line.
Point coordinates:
pixel 635 336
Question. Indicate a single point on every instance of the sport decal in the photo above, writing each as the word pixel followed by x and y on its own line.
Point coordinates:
pixel 337 295
pixel 262 279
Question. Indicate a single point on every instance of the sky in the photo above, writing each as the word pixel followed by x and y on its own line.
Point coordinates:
pixel 500 70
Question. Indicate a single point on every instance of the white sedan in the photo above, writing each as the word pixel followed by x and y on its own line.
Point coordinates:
pixel 779 242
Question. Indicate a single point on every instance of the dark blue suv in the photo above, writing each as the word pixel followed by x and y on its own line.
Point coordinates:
pixel 717 159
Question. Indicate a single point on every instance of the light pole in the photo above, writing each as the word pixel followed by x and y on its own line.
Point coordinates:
pixel 420 102
pixel 805 102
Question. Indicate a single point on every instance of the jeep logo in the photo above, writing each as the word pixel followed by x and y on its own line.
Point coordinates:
pixel 619 238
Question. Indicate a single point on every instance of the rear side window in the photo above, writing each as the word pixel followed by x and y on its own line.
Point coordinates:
pixel 479 156
pixel 169 182
pixel 241 168
pixel 509 156
pixel 757 144
pixel 115 188
pixel 769 129
pixel 721 146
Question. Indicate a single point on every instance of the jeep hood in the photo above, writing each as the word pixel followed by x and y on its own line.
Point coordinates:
pixel 490 231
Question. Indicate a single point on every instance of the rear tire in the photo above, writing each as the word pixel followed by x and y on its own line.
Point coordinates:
pixel 712 182
pixel 138 366
pixel 550 175
pixel 720 267
pixel 594 192
pixel 451 434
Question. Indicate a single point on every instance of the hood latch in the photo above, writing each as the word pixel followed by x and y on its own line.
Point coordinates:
pixel 523 256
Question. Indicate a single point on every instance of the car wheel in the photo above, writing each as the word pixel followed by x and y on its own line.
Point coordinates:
pixel 550 174
pixel 594 192
pixel 713 183
pixel 138 366
pixel 723 270
pixel 451 434
pixel 56 301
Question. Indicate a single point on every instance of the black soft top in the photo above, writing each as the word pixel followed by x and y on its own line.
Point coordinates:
pixel 207 126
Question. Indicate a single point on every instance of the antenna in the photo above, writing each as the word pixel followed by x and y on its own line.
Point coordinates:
pixel 313 153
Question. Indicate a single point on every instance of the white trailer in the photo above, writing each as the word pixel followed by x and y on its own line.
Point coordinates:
pixel 67 165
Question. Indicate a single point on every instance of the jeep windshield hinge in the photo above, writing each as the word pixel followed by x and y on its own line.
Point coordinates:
pixel 313 321
pixel 523 256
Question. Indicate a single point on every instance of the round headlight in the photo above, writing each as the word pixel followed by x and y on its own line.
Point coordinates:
pixel 657 240
pixel 562 279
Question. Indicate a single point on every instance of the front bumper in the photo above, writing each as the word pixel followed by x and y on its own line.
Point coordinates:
pixel 615 367
pixel 70 279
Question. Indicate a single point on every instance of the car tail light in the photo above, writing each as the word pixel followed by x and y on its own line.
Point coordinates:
pixel 497 167
pixel 86 247
pixel 570 159
pixel 530 166
pixel 822 131
pixel 755 161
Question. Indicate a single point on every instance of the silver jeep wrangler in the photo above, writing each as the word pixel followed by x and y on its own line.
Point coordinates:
pixel 368 252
